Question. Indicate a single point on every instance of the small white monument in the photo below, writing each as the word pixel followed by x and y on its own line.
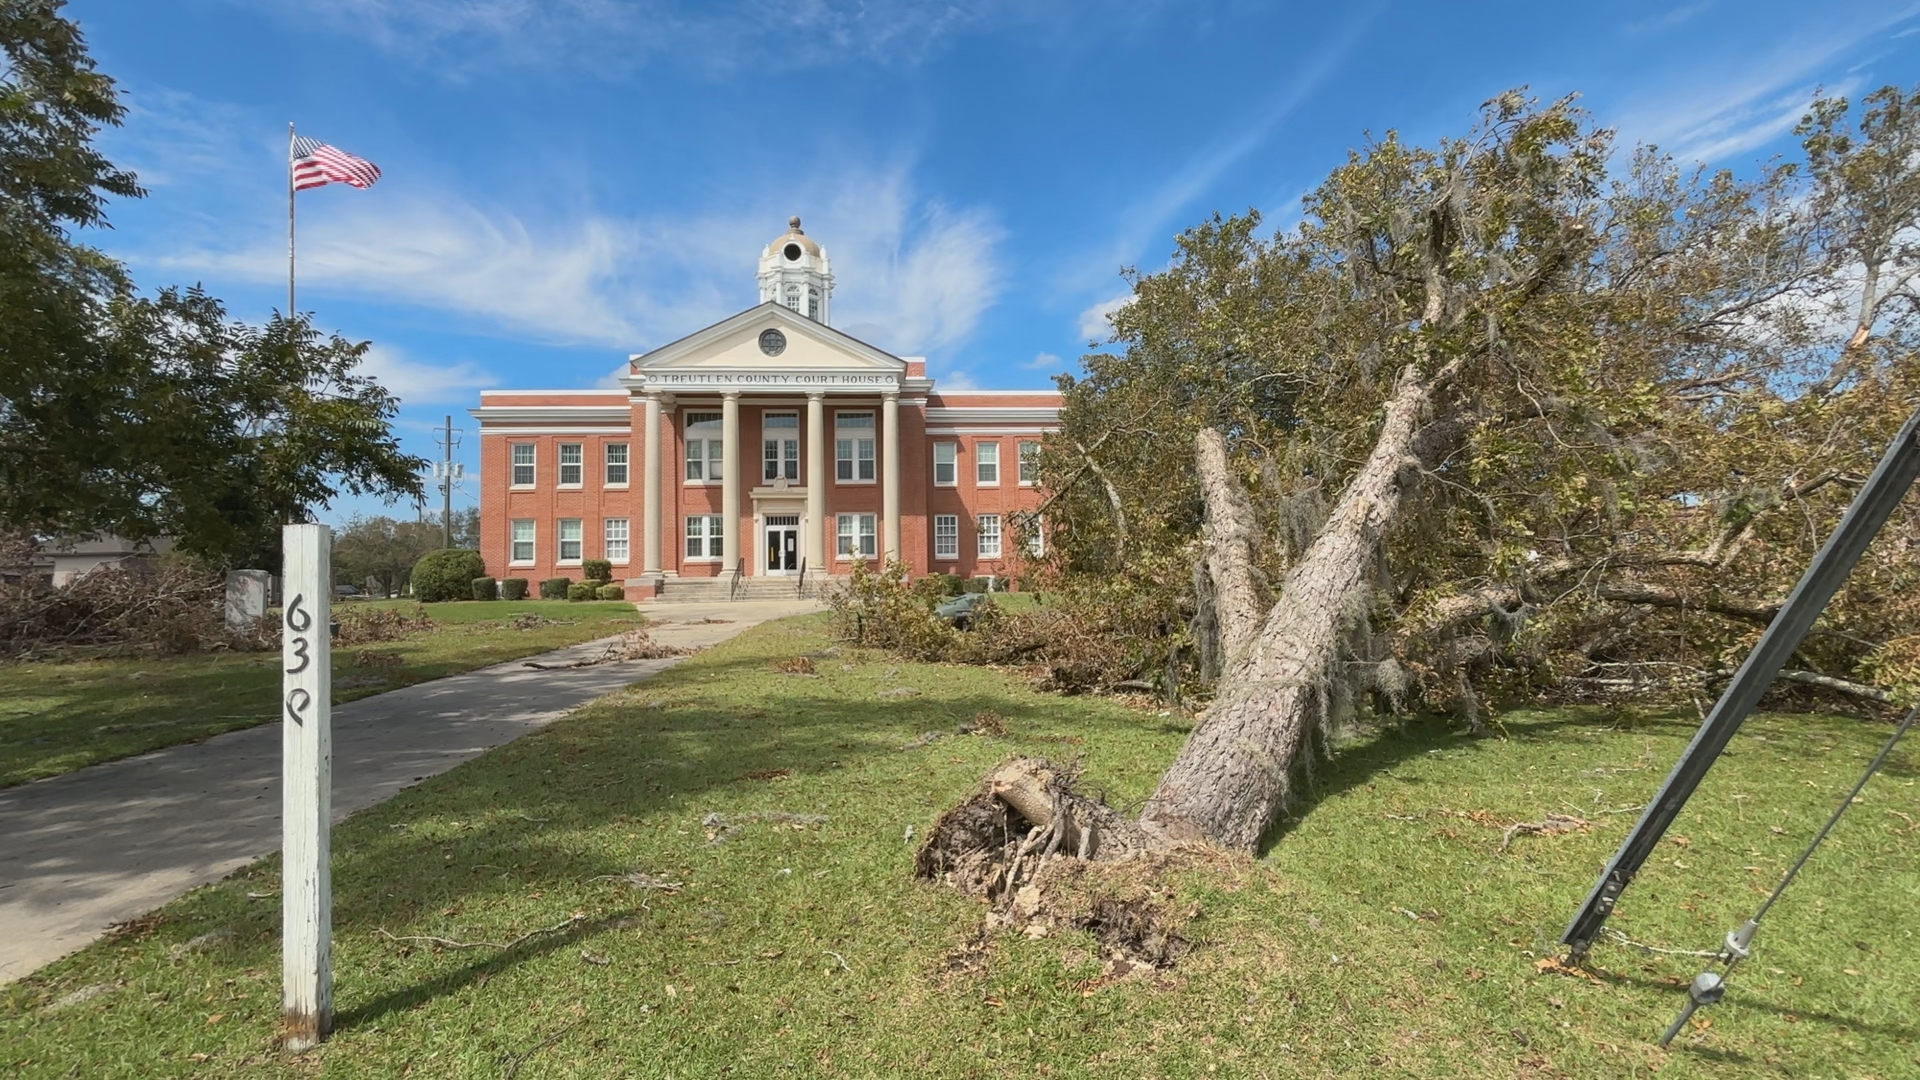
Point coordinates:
pixel 247 599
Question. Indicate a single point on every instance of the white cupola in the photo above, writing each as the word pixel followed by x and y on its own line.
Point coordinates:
pixel 794 271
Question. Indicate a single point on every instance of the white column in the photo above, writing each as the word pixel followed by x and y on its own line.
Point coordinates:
pixel 890 475
pixel 306 788
pixel 730 480
pixel 652 463
pixel 816 482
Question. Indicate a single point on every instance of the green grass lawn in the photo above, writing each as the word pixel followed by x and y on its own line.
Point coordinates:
pixel 1386 933
pixel 59 716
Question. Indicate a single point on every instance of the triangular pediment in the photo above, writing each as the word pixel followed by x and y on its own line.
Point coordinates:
pixel 736 344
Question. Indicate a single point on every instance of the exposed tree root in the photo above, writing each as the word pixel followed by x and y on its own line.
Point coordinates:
pixel 1045 858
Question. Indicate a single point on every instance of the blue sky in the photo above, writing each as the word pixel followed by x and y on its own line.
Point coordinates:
pixel 570 181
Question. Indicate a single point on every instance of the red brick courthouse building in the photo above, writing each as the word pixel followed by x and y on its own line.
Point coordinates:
pixel 766 442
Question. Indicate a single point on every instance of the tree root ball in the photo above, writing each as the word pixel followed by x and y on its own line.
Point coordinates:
pixel 1045 858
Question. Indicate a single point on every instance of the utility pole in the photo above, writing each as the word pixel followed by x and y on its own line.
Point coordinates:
pixel 447 472
pixel 446 485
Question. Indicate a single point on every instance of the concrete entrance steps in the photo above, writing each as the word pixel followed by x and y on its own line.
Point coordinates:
pixel 720 589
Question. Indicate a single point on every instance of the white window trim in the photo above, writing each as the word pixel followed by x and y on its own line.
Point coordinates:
pixel 611 485
pixel 706 540
pixel 687 436
pixel 559 464
pixel 799 447
pixel 937 482
pixel 530 560
pixel 629 542
pixel 558 542
pixel 999 537
pixel 977 462
pixel 955 557
pixel 534 465
pixel 856 553
pixel 1018 458
pixel 873 436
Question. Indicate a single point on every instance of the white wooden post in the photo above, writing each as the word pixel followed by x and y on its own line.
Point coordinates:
pixel 306 788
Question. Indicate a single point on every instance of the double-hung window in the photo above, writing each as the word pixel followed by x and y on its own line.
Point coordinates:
pixel 523 464
pixel 615 537
pixel 853 447
pixel 946 536
pixel 703 448
pixel 705 539
pixel 986 464
pixel 616 455
pixel 572 467
pixel 522 541
pixel 1029 464
pixel 1036 537
pixel 946 469
pixel 989 525
pixel 855 536
pixel 780 446
pixel 569 535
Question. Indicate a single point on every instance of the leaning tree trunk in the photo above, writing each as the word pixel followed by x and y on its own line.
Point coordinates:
pixel 1231 778
pixel 1228 551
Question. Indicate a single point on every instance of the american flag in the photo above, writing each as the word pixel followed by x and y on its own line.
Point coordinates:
pixel 316 164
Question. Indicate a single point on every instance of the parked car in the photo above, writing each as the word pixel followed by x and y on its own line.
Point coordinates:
pixel 346 590
pixel 958 612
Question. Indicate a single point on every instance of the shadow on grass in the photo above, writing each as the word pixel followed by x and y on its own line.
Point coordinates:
pixel 719 733
pixel 483 966
pixel 1735 1000
pixel 1324 775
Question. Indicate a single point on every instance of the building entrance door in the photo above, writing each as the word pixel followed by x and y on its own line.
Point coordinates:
pixel 783 544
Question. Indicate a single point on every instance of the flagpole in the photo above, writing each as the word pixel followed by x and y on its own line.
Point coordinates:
pixel 289 219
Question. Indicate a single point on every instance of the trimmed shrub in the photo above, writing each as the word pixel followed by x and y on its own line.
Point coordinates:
pixel 597 570
pixel 446 575
pixel 513 588
pixel 613 592
pixel 580 590
pixel 943 585
pixel 980 584
pixel 485 588
pixel 555 588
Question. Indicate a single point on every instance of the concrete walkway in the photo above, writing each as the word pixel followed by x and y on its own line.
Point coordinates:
pixel 106 843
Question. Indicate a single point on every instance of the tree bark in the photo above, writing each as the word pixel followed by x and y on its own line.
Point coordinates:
pixel 1234 774
pixel 1228 540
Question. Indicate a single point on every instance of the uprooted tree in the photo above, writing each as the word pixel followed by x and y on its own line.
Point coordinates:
pixel 1494 419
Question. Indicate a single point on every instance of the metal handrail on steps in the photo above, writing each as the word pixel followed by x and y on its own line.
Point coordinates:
pixel 800 588
pixel 739 569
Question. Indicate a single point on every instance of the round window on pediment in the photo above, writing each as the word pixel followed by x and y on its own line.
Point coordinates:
pixel 773 342
pixel 792 252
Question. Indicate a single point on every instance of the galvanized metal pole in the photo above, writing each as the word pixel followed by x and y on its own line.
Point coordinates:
pixel 306 788
pixel 1871 507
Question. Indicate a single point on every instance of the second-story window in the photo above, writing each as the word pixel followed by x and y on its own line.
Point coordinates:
pixel 523 464
pixel 780 446
pixel 703 447
pixel 853 447
pixel 946 458
pixel 571 467
pixel 616 453
pixel 986 464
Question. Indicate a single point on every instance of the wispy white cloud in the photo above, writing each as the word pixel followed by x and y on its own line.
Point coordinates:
pixel 1668 19
pixel 468 37
pixel 1719 111
pixel 1152 218
pixel 1096 322
pixel 1046 361
pixel 418 383
pixel 920 273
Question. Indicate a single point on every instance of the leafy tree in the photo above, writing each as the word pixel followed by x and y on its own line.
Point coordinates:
pixel 1496 420
pixel 149 415
pixel 383 550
